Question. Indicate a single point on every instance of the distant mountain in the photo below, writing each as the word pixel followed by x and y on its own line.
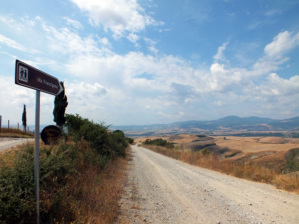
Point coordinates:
pixel 227 124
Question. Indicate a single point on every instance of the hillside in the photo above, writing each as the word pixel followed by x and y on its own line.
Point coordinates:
pixel 228 125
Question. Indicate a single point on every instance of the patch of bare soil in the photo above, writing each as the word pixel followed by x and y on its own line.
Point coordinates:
pixel 8 143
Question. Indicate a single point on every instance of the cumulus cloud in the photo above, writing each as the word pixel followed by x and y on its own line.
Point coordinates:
pixel 12 101
pixel 162 87
pixel 118 16
pixel 277 86
pixel 275 94
pixel 83 92
pixel 281 44
pixel 67 42
pixel 174 82
pixel 133 38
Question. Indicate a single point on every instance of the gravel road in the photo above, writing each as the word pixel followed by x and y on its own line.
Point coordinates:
pixel 6 143
pixel 163 190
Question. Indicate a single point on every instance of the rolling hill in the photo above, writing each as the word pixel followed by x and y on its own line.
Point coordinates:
pixel 227 125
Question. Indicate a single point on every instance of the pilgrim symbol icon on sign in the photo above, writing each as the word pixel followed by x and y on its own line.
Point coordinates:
pixel 23 74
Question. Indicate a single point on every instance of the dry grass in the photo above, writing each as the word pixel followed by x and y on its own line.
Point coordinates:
pixel 90 196
pixel 15 133
pixel 257 144
pixel 101 204
pixel 98 192
pixel 248 171
pixel 8 155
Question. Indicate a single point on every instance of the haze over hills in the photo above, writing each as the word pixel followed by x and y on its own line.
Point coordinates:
pixel 228 124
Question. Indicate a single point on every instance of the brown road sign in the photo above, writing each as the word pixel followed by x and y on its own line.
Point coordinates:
pixel 33 78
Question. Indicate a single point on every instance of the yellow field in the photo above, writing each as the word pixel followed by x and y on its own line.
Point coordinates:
pixel 265 151
pixel 261 159
pixel 257 144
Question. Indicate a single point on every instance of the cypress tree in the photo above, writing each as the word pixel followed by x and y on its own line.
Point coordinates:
pixel 24 118
pixel 60 104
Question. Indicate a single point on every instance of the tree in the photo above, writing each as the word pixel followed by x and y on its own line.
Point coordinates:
pixel 24 118
pixel 60 104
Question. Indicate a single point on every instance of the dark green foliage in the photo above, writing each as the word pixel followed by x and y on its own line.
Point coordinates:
pixel 292 157
pixel 118 142
pixel 17 188
pixel 57 167
pixel 24 118
pixel 108 144
pixel 61 168
pixel 130 140
pixel 60 104
pixel 159 142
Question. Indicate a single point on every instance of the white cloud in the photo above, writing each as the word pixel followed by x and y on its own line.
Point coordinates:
pixel 151 46
pixel 13 97
pixel 133 38
pixel 76 24
pixel 109 82
pixel 104 41
pixel 153 49
pixel 174 84
pixel 119 16
pixel 273 12
pixel 281 44
pixel 70 43
pixel 11 43
pixel 219 56
pixel 254 25
pixel 279 86
pixel 275 95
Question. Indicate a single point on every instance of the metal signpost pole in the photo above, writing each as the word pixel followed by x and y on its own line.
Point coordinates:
pixel 0 122
pixel 36 154
pixel 30 77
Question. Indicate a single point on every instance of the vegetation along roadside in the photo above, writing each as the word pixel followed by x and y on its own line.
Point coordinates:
pixel 81 177
pixel 207 159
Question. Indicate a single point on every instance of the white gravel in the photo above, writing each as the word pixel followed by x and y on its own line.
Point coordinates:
pixel 164 190
pixel 6 143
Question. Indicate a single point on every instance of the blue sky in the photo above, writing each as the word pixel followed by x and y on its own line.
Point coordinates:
pixel 144 62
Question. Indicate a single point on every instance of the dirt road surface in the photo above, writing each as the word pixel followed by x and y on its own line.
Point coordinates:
pixel 6 143
pixel 164 190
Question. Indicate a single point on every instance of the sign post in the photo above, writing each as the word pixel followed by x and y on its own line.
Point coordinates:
pixel 30 77
pixel 36 154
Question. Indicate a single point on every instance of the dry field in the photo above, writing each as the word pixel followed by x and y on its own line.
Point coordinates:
pixel 265 151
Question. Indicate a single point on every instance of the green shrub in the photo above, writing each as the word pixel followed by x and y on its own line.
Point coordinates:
pixel 58 166
pixel 107 144
pixel 159 142
pixel 61 169
pixel 17 188
pixel 118 142
pixel 130 140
